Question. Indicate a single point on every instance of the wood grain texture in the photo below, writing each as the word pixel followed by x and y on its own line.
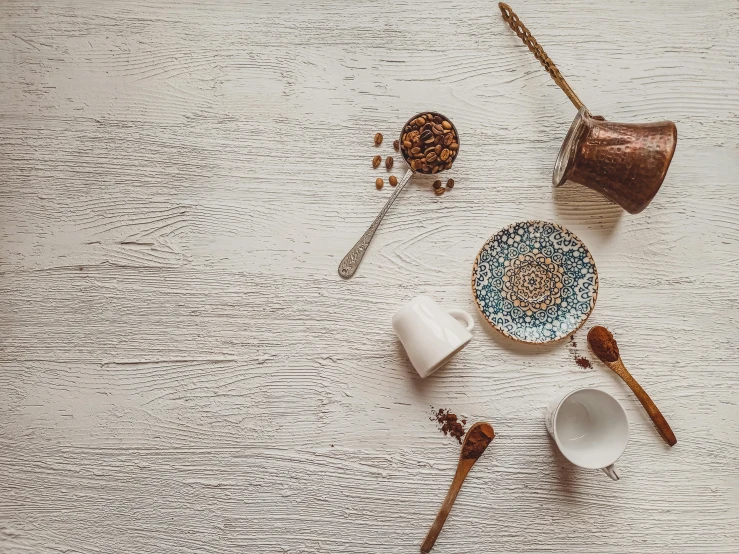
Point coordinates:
pixel 183 371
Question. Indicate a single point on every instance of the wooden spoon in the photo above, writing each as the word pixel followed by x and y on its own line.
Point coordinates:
pixel 475 442
pixel 604 346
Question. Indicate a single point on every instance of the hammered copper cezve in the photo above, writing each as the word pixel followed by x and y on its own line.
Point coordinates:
pixel 626 162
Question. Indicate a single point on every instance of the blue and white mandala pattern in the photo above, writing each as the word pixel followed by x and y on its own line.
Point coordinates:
pixel 535 282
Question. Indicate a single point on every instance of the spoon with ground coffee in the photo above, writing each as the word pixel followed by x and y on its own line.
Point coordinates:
pixel 604 346
pixel 429 144
pixel 475 442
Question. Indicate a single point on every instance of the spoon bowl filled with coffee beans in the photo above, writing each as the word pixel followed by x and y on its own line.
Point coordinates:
pixel 429 143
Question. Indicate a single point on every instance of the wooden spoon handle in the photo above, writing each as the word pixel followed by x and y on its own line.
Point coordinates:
pixel 659 420
pixel 446 507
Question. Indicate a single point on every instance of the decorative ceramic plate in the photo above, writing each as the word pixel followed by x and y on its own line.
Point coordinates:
pixel 535 282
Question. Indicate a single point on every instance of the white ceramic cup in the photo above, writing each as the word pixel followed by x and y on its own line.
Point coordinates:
pixel 590 428
pixel 431 335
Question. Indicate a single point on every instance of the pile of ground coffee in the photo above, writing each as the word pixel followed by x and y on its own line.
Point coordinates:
pixel 603 344
pixel 477 442
pixel 449 424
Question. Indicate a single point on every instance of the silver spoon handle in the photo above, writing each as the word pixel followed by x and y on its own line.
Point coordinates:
pixel 351 261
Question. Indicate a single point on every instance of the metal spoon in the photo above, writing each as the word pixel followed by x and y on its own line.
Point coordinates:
pixel 604 346
pixel 351 261
pixel 476 441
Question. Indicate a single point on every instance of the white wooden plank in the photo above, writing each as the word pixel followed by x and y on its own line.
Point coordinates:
pixel 182 369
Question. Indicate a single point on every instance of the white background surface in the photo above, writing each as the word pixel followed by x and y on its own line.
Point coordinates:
pixel 183 371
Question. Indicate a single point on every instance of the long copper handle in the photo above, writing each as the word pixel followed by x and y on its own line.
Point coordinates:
pixel 525 35
pixel 658 419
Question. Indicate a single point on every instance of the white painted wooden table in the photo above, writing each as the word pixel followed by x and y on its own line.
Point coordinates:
pixel 182 369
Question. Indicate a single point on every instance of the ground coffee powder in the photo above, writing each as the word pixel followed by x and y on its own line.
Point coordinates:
pixel 476 443
pixel 449 424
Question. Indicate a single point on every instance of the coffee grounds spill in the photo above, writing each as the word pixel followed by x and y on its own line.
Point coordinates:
pixel 476 443
pixel 448 423
pixel 582 361
pixel 603 344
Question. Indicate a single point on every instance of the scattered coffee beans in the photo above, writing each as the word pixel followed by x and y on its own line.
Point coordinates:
pixel 376 161
pixel 429 143
pixel 450 184
pixel 393 180
pixel 439 191
pixel 437 184
pixel 389 163
pixel 378 139
pixel 396 145
pixel 379 183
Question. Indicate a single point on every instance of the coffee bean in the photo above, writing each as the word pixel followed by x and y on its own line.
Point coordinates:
pixel 450 184
pixel 396 145
pixel 437 184
pixel 376 161
pixel 439 192
pixel 379 183
pixel 393 180
pixel 378 139
pixel 389 163
pixel 426 143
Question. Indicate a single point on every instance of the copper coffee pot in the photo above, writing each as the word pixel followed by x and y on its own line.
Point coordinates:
pixel 625 162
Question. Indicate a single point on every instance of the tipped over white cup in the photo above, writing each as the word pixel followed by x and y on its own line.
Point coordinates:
pixel 431 335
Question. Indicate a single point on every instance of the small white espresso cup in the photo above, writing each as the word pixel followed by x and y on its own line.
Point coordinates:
pixel 431 335
pixel 590 428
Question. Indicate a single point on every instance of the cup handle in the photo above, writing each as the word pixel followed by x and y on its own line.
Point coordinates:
pixel 611 472
pixel 464 316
